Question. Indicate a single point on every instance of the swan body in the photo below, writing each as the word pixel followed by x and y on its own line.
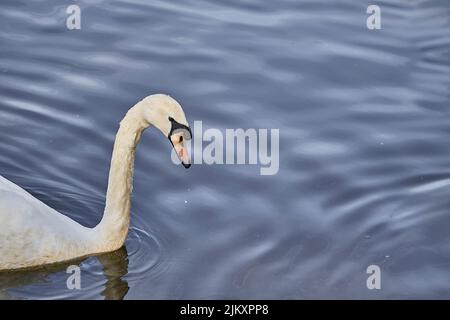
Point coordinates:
pixel 33 234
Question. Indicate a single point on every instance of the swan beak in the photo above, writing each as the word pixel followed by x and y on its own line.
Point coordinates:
pixel 183 155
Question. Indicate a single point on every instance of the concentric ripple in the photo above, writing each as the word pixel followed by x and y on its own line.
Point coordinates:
pixel 364 124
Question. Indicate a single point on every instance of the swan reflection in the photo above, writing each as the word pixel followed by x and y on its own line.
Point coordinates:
pixel 114 267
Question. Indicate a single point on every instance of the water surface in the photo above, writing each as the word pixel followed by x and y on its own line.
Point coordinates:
pixel 364 125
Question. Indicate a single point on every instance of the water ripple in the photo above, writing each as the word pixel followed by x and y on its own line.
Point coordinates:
pixel 364 157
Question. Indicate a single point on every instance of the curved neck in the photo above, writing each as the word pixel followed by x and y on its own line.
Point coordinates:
pixel 113 227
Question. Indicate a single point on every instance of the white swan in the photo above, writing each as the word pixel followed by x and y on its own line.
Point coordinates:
pixel 33 234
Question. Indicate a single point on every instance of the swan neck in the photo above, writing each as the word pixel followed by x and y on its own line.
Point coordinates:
pixel 114 225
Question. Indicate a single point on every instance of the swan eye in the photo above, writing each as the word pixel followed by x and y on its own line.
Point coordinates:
pixel 181 138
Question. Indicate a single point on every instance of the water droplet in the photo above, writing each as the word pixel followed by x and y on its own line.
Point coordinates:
pixel 185 201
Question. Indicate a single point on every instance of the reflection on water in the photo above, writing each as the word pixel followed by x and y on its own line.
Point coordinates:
pixel 114 268
pixel 364 122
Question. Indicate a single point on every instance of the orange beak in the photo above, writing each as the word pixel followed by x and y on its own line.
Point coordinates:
pixel 183 154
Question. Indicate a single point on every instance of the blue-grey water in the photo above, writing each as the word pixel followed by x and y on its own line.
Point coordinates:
pixel 364 120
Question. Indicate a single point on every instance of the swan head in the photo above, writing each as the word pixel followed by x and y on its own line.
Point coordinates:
pixel 166 114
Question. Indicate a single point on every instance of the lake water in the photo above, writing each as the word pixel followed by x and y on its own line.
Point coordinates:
pixel 364 120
